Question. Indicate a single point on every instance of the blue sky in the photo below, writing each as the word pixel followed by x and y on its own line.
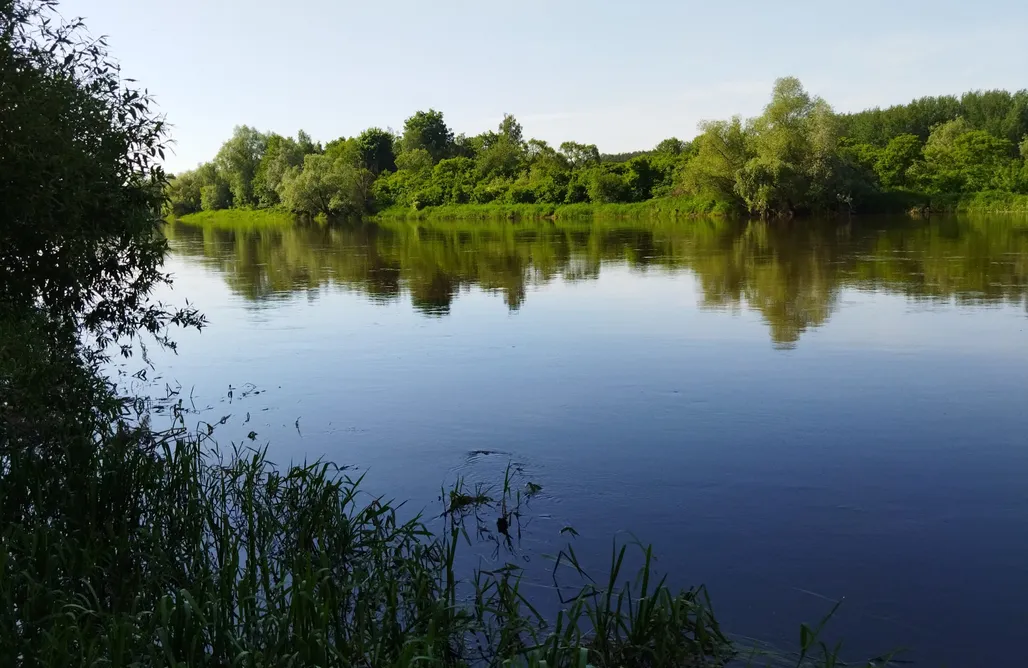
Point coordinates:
pixel 622 75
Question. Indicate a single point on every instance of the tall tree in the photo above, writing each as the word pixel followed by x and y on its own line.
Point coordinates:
pixel 376 151
pixel 896 159
pixel 428 131
pixel 511 130
pixel 580 155
pixel 239 159
pixel 280 154
pixel 503 152
pixel 670 146
pixel 721 153
pixel 81 184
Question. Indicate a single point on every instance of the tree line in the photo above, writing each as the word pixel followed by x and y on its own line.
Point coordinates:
pixel 797 157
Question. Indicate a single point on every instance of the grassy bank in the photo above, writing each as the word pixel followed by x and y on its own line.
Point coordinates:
pixel 981 202
pixel 665 207
pixel 890 202
pixel 240 218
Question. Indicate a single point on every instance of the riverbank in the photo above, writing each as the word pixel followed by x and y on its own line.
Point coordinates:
pixel 239 218
pixel 886 203
pixel 981 202
pixel 670 207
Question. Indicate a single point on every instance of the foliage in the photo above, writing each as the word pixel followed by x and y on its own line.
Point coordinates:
pixel 428 131
pixel 238 160
pixel 1002 114
pixel 721 153
pixel 184 194
pixel 580 155
pixel 213 197
pixel 670 146
pixel 280 155
pixel 375 147
pixel 958 159
pixel 80 183
pixel 895 160
pixel 326 185
pixel 798 157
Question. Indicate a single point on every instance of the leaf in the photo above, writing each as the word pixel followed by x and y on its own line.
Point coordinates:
pixel 806 637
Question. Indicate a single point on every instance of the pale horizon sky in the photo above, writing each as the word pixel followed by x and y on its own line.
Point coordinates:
pixel 620 75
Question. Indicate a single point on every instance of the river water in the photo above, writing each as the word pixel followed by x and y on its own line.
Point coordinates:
pixel 792 413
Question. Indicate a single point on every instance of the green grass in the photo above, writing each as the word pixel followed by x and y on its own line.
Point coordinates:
pixel 981 202
pixel 471 212
pixel 665 207
pixel 240 218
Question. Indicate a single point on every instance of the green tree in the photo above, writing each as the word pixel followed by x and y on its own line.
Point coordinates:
pixel 670 146
pixel 720 154
pixel 315 188
pixel 414 160
pixel 427 130
pixel 580 155
pixel 280 154
pixel 349 159
pixel 329 183
pixel 184 193
pixel 80 183
pixel 238 161
pixel 306 144
pixel 826 190
pixel 502 153
pixel 794 146
pixel 640 177
pixel 511 130
pixel 896 159
pixel 1023 148
pixel 608 187
pixel 958 159
pixel 375 147
pixel 215 196
pixel 465 146
pixel 779 133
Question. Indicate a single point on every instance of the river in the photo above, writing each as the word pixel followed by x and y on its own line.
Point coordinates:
pixel 792 413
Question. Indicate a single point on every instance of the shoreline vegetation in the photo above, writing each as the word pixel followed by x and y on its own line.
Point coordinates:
pixel 798 158
pixel 989 202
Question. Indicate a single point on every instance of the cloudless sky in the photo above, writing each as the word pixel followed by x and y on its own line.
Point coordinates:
pixel 622 75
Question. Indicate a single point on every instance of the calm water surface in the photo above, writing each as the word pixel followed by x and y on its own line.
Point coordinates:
pixel 794 414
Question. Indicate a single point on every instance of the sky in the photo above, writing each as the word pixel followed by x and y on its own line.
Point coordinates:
pixel 622 75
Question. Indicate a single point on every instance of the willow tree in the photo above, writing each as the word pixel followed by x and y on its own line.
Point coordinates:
pixel 721 152
pixel 81 185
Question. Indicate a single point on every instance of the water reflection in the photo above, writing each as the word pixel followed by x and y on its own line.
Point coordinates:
pixel 792 273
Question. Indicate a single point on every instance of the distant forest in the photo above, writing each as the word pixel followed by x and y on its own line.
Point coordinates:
pixel 797 157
